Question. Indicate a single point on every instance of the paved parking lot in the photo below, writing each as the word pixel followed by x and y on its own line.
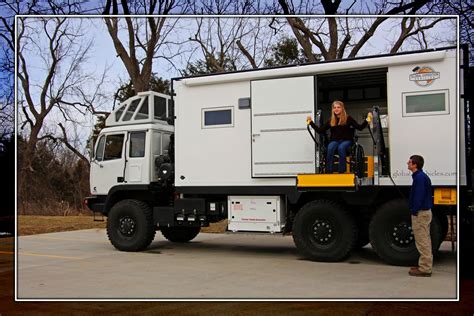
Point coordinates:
pixel 84 265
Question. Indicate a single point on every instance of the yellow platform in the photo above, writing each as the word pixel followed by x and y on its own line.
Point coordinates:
pixel 445 196
pixel 325 180
pixel 368 162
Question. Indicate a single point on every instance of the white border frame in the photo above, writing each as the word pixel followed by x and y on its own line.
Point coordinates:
pixel 236 300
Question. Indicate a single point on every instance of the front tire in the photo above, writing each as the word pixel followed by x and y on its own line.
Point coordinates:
pixel 392 237
pixel 180 234
pixel 130 225
pixel 324 231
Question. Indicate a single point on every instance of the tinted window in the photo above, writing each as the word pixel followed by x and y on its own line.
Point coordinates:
pixel 99 154
pixel 336 95
pixel 166 144
pixel 156 141
pixel 160 108
pixel 119 112
pixel 355 94
pixel 218 117
pixel 131 109
pixel 113 147
pixel 143 111
pixel 425 103
pixel 373 93
pixel 137 144
pixel 170 107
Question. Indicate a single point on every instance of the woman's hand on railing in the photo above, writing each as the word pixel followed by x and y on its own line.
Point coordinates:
pixel 369 117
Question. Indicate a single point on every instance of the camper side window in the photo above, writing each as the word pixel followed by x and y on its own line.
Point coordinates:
pixel 425 103
pixel 218 117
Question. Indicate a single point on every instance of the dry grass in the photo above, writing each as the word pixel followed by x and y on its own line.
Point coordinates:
pixel 34 224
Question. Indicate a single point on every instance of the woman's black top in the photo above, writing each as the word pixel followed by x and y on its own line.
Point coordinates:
pixel 341 132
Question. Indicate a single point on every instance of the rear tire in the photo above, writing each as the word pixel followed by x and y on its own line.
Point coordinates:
pixel 324 231
pixel 180 234
pixel 130 225
pixel 443 222
pixel 391 235
pixel 363 233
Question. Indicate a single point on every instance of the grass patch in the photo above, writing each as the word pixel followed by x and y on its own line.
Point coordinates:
pixel 35 224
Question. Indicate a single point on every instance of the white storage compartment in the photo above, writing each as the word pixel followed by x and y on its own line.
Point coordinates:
pixel 256 213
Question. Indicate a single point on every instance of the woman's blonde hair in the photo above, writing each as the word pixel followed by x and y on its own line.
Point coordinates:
pixel 342 116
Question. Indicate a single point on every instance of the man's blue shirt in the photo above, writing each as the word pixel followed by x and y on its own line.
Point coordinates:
pixel 421 193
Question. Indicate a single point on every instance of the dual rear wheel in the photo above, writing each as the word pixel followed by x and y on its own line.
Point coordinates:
pixel 324 231
pixel 391 234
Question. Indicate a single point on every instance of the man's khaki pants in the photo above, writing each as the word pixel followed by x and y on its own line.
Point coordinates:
pixel 421 230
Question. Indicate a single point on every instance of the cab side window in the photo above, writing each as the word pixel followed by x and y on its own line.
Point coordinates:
pixel 113 147
pixel 137 144
pixel 99 153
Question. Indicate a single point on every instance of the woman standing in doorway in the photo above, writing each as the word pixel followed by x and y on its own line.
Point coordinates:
pixel 342 127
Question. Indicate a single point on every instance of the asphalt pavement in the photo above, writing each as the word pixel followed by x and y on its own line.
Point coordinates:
pixel 84 265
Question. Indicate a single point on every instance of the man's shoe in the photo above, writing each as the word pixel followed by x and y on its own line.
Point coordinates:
pixel 413 268
pixel 416 272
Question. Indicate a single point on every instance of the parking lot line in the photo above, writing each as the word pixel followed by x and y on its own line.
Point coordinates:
pixel 68 239
pixel 41 255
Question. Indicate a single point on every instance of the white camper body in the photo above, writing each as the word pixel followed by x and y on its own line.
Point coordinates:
pixel 266 143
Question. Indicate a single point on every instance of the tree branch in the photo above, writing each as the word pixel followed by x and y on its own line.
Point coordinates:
pixel 70 147
pixel 247 54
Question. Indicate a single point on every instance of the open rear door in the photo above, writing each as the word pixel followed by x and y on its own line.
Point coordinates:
pixel 281 146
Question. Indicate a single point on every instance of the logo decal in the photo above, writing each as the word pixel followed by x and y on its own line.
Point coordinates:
pixel 424 76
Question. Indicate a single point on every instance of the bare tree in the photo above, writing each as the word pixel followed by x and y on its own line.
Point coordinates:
pixel 231 43
pixel 7 68
pixel 325 35
pixel 8 9
pixel 144 37
pixel 220 41
pixel 61 50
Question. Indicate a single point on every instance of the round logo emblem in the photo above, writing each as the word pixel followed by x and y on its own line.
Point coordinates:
pixel 424 76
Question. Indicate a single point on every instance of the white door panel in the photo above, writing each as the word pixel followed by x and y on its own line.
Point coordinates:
pixel 108 169
pixel 136 170
pixel 281 145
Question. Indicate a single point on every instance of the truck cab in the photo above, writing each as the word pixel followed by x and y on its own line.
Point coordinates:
pixel 137 135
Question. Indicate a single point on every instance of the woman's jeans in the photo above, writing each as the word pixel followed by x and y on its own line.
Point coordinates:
pixel 341 147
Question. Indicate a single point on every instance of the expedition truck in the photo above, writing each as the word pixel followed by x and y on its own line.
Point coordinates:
pixel 236 146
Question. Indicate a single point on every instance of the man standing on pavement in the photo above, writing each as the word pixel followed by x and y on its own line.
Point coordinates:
pixel 421 201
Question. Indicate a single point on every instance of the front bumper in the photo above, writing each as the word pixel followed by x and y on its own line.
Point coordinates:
pixel 95 203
